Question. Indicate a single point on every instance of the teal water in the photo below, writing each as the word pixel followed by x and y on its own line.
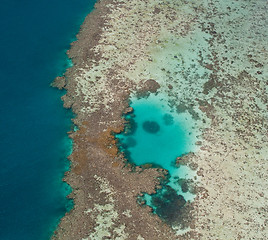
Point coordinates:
pixel 156 134
pixel 34 145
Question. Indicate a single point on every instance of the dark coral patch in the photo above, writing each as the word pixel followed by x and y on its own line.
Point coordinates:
pixel 151 126
pixel 168 204
pixel 130 127
pixel 131 142
pixel 184 186
pixel 168 119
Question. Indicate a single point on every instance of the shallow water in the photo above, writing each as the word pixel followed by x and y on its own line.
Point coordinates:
pixel 34 145
pixel 157 134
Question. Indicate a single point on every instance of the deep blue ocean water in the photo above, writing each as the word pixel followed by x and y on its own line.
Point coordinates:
pixel 33 141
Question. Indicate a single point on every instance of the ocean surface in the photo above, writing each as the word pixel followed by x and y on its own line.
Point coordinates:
pixel 33 141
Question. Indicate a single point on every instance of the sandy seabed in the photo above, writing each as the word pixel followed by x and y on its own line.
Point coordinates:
pixel 208 58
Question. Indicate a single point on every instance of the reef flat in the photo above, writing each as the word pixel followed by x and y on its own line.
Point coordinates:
pixel 208 58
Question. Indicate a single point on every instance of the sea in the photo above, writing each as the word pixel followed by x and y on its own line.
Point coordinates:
pixel 34 145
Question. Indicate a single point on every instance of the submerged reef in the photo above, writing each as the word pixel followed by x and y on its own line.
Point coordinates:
pixel 168 205
pixel 151 126
pixel 206 59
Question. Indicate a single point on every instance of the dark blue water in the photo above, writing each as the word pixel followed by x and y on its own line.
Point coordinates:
pixel 33 141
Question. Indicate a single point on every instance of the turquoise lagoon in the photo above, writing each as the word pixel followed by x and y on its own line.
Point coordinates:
pixel 157 134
